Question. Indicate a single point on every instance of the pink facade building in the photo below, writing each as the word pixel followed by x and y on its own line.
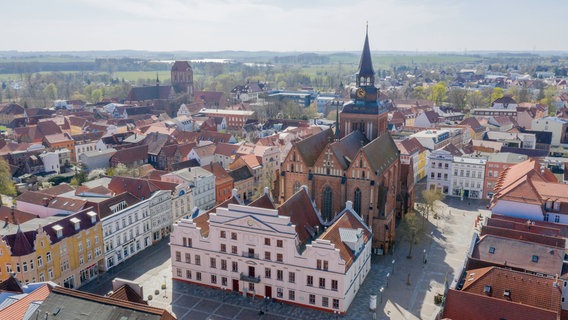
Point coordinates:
pixel 286 253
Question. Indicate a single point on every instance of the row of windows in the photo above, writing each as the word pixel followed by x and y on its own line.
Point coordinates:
pixel 252 287
pixel 252 273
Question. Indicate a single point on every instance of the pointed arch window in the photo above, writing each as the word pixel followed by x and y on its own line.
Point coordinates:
pixel 327 203
pixel 357 201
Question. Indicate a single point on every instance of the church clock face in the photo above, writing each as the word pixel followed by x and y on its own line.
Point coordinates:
pixel 360 93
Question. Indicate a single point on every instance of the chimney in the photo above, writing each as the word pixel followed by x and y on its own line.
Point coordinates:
pixel 45 202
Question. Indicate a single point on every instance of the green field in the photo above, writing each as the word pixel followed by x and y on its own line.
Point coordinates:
pixel 127 75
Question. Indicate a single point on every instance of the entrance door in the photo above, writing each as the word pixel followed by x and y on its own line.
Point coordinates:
pixel 235 285
pixel 268 291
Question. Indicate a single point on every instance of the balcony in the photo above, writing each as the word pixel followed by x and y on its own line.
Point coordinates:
pixel 248 278
pixel 251 255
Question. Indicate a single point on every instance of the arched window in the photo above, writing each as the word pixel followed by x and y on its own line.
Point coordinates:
pixel 297 186
pixel 357 201
pixel 327 204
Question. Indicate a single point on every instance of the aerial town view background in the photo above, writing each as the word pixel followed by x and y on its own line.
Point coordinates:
pixel 276 164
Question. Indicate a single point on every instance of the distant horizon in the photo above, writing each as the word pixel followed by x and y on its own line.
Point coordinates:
pixel 284 25
pixel 468 52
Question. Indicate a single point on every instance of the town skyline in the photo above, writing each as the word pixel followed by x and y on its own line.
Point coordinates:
pixel 180 25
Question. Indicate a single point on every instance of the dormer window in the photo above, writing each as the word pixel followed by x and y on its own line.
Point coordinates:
pixel 534 258
pixel 492 250
pixel 76 223
pixel 487 289
pixel 507 293
pixel 58 230
pixel 93 216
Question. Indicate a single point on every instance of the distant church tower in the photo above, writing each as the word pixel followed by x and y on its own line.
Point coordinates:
pixel 364 113
pixel 182 78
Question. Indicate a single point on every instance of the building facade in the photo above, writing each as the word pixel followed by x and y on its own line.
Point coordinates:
pixel 283 253
pixel 67 251
pixel 439 171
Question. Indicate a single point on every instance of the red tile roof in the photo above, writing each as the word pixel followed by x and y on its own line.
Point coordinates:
pixel 302 214
pixel 17 310
pixel 524 288
pixel 221 175
pixel 462 305
pixel 347 219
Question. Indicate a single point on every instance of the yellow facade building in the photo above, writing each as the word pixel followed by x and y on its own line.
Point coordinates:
pixel 67 251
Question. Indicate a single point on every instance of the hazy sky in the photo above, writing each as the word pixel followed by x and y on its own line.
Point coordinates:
pixel 283 25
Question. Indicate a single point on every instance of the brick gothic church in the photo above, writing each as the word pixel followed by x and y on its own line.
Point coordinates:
pixel 359 162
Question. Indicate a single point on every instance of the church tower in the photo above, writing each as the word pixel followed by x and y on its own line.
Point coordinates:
pixel 364 113
pixel 182 78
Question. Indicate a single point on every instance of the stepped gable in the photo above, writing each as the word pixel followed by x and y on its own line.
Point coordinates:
pixel 310 148
pixel 302 214
pixel 381 153
pixel 346 149
pixel 202 221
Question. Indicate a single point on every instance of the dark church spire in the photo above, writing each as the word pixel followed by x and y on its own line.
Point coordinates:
pixel 366 74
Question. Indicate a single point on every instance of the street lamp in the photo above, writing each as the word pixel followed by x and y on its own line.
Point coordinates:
pixel 381 295
pixel 424 257
pixel 392 266
pixel 388 275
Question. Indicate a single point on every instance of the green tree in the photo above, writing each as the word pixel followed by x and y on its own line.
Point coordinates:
pixel 96 95
pixel 418 92
pixel 549 93
pixel 79 177
pixel 438 93
pixel 474 99
pixel 7 187
pixel 428 202
pixel 50 91
pixel 458 98
pixel 496 94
